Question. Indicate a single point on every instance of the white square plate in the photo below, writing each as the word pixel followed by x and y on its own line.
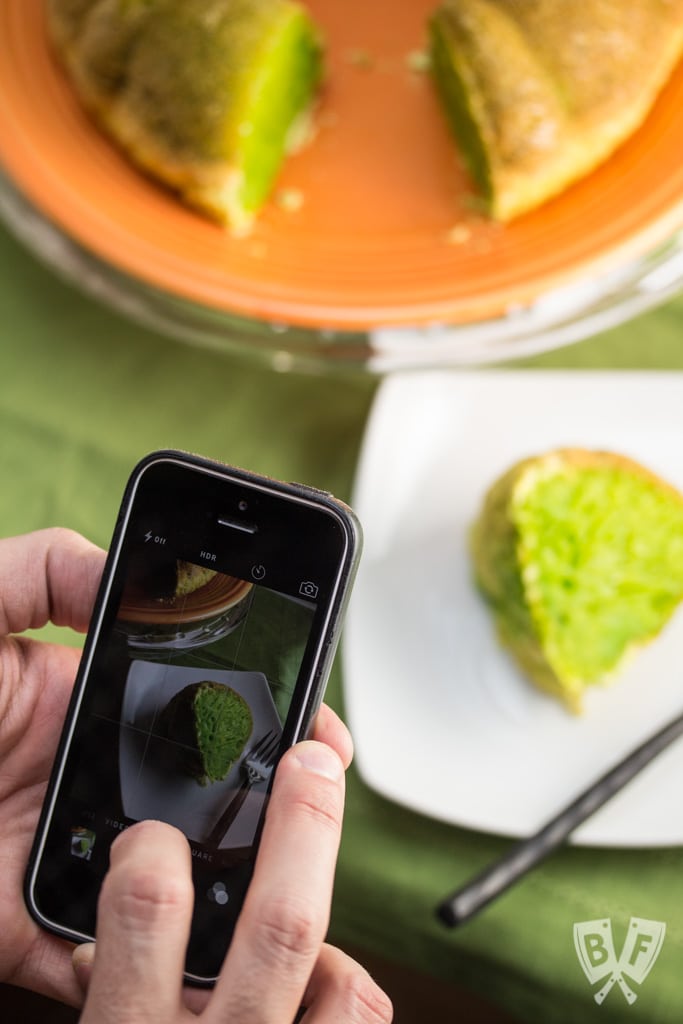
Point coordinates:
pixel 443 721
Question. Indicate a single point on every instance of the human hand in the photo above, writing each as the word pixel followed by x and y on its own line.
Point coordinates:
pixel 278 960
pixel 50 575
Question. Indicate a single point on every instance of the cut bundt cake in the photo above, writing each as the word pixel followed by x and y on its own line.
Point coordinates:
pixel 580 555
pixel 207 95
pixel 210 724
pixel 190 578
pixel 154 576
pixel 539 92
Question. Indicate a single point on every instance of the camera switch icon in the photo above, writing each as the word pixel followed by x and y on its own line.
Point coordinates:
pixel 309 590
pixel 218 893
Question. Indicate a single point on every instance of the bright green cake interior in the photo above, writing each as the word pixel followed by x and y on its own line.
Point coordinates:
pixel 223 724
pixel 209 724
pixel 580 555
pixel 278 94
pixel 601 557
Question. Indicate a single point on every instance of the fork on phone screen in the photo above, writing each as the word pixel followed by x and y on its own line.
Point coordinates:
pixel 256 766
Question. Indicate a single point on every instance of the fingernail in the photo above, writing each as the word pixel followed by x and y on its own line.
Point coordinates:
pixel 319 759
pixel 82 961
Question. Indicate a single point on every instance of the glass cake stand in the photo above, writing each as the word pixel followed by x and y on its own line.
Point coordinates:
pixel 383 263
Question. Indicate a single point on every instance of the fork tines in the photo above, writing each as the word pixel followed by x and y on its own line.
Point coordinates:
pixel 266 746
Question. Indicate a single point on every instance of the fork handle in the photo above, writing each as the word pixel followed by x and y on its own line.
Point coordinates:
pixel 228 816
pixel 467 901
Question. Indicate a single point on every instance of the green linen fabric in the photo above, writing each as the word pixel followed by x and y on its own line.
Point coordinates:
pixel 84 393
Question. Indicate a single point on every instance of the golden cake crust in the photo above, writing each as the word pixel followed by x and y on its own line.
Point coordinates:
pixel 555 88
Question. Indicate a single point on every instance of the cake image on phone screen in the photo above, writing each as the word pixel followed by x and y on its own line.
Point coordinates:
pixel 165 579
pixel 188 578
pixel 580 556
pixel 169 602
pixel 211 724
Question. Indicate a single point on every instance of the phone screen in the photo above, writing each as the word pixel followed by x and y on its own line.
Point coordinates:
pixel 196 682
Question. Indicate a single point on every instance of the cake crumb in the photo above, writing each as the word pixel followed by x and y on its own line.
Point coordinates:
pixel 418 61
pixel 290 199
pixel 360 58
pixel 459 235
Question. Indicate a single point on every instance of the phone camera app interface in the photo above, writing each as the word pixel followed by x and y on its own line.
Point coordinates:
pixel 186 706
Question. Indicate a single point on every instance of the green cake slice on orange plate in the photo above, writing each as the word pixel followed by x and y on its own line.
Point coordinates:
pixel 209 96
pixel 580 556
pixel 539 92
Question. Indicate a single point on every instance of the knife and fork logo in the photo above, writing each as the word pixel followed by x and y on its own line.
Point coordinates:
pixel 594 944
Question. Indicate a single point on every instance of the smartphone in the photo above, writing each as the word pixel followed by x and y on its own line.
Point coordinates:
pixel 209 648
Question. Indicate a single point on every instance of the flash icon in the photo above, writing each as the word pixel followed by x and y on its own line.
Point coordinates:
pixel 148 536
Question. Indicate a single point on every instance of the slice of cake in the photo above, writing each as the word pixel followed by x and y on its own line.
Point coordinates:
pixel 580 555
pixel 540 92
pixel 209 96
pixel 190 578
pixel 211 723
pixel 154 576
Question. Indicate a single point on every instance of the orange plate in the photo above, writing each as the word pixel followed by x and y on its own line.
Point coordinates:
pixel 218 595
pixel 382 183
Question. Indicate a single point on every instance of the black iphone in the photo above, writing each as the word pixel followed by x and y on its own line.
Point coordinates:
pixel 207 656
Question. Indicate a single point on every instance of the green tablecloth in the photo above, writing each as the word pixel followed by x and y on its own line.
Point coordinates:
pixel 84 393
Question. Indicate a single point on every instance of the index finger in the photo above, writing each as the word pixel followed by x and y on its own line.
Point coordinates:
pixel 143 923
pixel 48 576
pixel 330 730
